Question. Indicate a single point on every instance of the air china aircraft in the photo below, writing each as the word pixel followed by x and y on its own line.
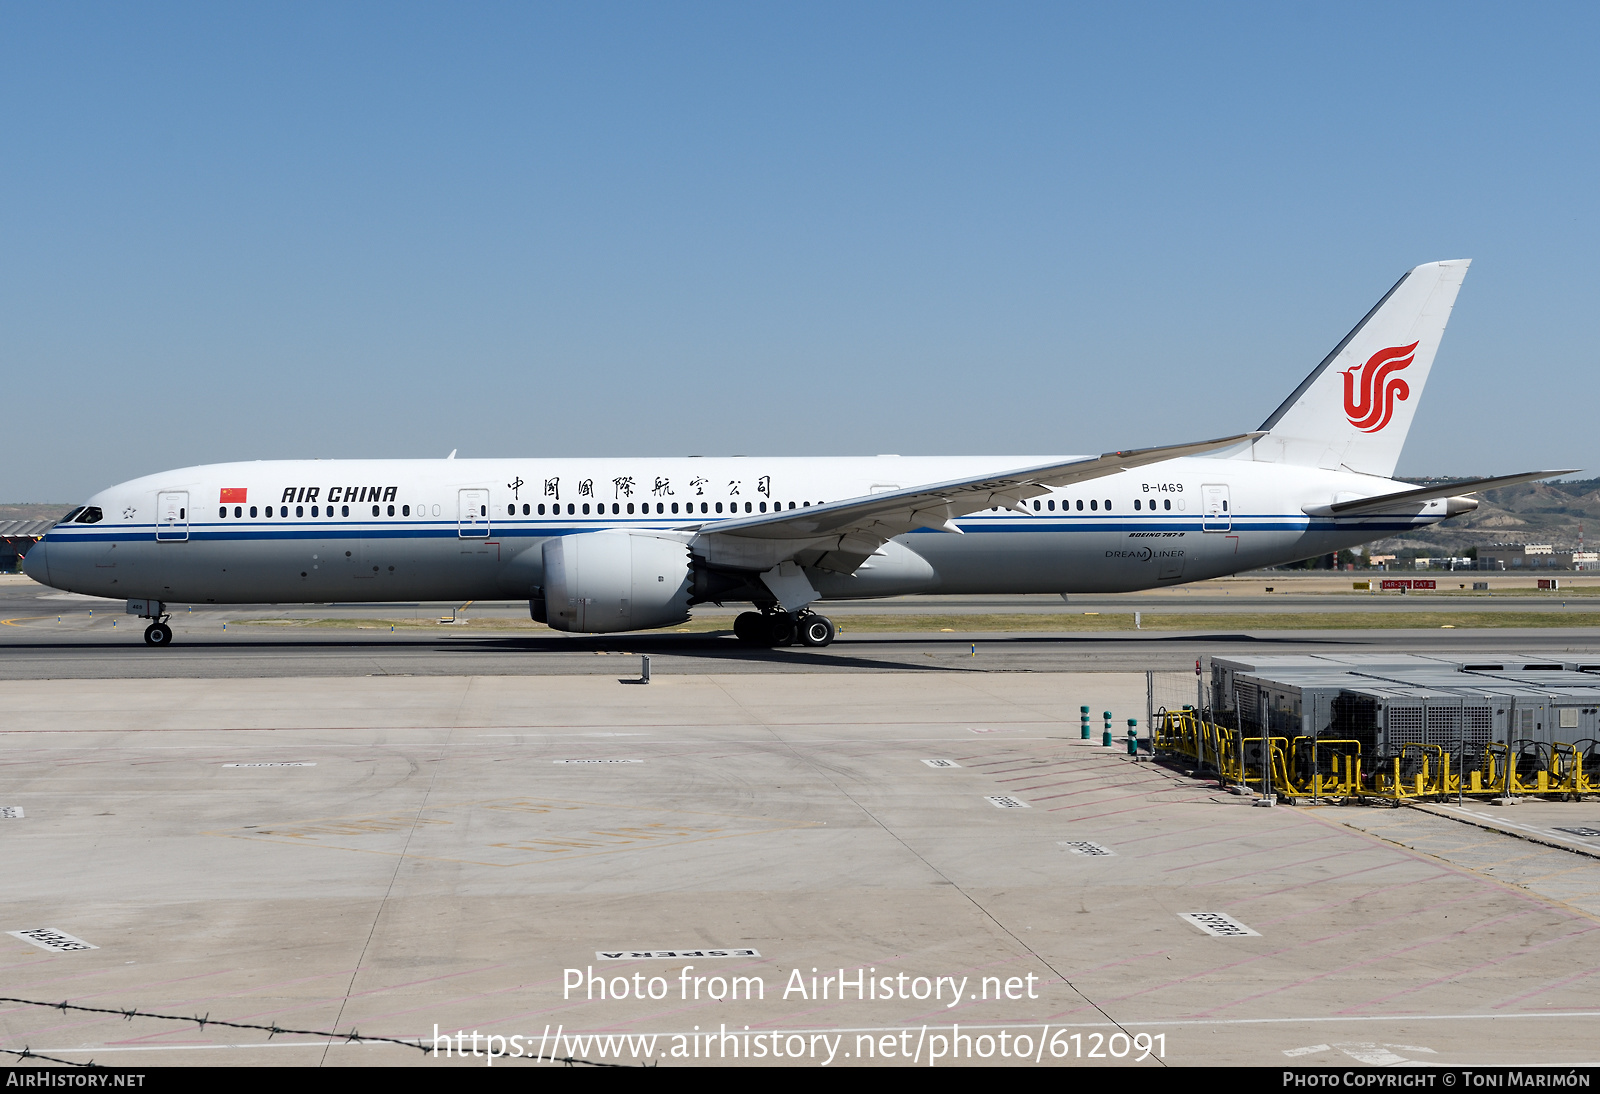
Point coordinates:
pixel 600 545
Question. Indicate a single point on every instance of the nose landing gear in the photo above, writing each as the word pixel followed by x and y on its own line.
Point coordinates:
pixel 157 633
pixel 783 629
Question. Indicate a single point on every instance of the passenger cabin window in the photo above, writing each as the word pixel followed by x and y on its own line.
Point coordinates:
pixel 222 512
pixel 252 512
pixel 525 509
pixel 299 510
pixel 72 516
pixel 374 510
pixel 344 510
pixel 391 510
pixel 1166 503
pixel 238 511
pixel 719 507
pixel 1108 505
pixel 1036 506
pixel 1080 505
pixel 585 508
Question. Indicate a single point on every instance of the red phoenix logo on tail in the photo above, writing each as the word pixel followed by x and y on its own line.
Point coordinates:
pixel 1370 397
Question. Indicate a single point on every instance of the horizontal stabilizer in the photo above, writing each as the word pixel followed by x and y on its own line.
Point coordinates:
pixel 1386 502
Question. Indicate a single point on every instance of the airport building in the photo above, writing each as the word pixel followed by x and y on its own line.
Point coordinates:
pixel 1530 556
pixel 16 536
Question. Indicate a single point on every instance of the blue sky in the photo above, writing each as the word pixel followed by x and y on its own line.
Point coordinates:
pixel 283 231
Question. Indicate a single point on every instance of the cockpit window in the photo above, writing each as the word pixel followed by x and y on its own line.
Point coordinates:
pixel 70 517
pixel 91 515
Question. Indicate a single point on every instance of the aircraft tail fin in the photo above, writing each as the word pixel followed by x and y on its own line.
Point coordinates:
pixel 1353 412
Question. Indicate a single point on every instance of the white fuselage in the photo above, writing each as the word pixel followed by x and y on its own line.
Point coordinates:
pixel 404 530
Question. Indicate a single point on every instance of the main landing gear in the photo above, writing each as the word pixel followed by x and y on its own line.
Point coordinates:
pixel 783 629
pixel 158 634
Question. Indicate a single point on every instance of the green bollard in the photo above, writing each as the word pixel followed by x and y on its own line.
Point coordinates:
pixel 1105 737
pixel 1133 736
pixel 1083 718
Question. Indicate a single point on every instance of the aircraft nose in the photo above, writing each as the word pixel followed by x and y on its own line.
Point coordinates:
pixel 36 565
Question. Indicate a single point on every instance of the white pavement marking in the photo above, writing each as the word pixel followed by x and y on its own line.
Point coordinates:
pixel 1308 1050
pixel 1369 1052
pixel 48 938
pixel 650 955
pixel 1218 924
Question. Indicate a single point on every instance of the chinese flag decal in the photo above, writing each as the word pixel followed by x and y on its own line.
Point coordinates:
pixel 233 494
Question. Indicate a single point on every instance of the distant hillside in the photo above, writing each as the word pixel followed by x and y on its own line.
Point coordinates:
pixel 1540 512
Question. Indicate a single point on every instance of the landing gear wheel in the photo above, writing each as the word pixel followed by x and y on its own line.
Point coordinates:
pixel 747 627
pixel 158 634
pixel 816 630
pixel 779 630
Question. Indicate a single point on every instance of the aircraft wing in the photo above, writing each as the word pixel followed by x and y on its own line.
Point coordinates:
pixel 1386 502
pixel 840 535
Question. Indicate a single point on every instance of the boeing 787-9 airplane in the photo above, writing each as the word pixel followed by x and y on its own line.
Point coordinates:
pixel 601 545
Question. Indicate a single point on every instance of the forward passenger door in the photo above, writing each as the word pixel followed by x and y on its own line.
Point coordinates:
pixel 172 516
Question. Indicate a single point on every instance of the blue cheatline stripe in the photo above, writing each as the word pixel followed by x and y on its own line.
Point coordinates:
pixel 216 531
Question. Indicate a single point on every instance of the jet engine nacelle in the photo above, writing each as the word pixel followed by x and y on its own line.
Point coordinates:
pixel 596 582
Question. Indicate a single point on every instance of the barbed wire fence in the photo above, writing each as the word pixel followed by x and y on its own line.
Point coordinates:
pixel 353 1037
